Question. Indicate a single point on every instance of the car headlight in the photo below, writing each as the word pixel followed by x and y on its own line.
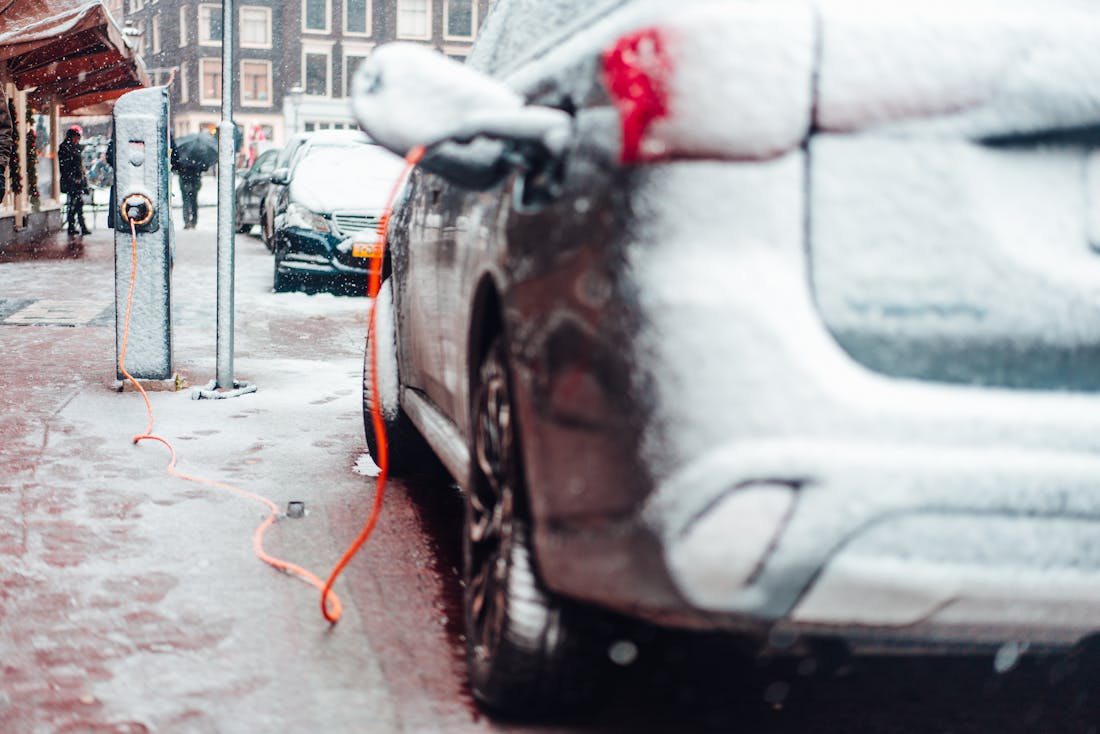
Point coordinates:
pixel 298 216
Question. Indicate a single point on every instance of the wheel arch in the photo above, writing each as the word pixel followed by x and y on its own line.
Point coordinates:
pixel 486 323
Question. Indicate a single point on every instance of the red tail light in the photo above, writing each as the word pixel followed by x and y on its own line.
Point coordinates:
pixel 732 81
pixel 636 70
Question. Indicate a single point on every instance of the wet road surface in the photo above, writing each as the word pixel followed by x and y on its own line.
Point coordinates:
pixel 131 601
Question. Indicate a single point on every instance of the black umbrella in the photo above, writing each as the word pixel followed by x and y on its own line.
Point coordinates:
pixel 197 150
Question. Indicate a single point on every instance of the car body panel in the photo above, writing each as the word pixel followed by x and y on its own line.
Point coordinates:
pixel 252 187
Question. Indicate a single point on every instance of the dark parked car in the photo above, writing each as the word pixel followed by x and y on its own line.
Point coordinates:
pixel 270 195
pixel 328 210
pixel 284 165
pixel 251 188
pixel 777 318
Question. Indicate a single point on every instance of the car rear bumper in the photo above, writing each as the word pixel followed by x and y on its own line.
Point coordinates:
pixel 770 479
pixel 843 538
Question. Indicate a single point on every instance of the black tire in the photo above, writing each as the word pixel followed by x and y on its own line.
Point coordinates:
pixel 266 236
pixel 408 452
pixel 282 282
pixel 240 226
pixel 528 652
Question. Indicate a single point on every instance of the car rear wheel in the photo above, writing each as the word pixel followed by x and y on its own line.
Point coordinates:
pixel 239 224
pixel 527 651
pixel 282 282
pixel 407 451
pixel 265 232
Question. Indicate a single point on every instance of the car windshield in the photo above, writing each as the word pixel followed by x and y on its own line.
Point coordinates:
pixel 354 176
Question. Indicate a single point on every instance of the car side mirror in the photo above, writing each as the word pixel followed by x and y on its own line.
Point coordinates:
pixel 406 95
pixel 281 176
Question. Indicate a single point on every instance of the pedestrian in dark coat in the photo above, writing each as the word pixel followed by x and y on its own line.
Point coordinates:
pixel 5 143
pixel 74 183
pixel 110 158
pixel 190 175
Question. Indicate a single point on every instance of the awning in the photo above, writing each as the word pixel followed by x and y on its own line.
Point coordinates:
pixel 70 51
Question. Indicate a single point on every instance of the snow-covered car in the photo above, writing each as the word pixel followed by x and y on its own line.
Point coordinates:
pixel 288 155
pixel 771 317
pixel 330 204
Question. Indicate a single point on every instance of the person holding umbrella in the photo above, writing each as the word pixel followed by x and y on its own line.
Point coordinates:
pixel 74 183
pixel 191 156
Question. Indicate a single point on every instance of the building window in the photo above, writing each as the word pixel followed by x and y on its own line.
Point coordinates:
pixel 256 83
pixel 315 66
pixel 210 25
pixel 183 26
pixel 357 17
pixel 255 27
pixel 156 34
pixel 315 15
pixel 351 63
pixel 211 90
pixel 459 18
pixel 414 19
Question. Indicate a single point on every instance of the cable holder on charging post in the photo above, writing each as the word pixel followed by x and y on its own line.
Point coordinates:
pixel 137 209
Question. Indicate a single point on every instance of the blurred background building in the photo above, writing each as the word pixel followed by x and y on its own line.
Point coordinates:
pixel 295 58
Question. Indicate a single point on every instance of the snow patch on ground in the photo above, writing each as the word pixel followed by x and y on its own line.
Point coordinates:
pixel 366 467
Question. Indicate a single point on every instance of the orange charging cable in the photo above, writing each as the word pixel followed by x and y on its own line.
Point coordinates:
pixel 374 282
pixel 273 510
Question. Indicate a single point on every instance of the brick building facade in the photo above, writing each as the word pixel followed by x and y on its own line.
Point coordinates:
pixel 294 58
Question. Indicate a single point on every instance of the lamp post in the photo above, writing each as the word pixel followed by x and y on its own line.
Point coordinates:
pixel 294 104
pixel 224 385
pixel 226 179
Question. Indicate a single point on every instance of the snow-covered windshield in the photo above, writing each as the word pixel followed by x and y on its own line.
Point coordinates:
pixel 357 176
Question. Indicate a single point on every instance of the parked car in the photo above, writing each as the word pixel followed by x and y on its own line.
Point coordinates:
pixel 284 164
pixel 252 185
pixel 776 318
pixel 328 210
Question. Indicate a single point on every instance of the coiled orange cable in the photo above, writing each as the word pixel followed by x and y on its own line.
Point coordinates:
pixel 273 510
pixel 374 282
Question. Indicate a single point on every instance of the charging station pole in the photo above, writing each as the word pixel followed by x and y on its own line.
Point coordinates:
pixel 141 184
pixel 226 179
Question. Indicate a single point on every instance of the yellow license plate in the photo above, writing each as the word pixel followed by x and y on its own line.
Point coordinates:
pixel 366 249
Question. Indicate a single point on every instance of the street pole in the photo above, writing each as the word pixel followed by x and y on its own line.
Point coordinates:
pixel 226 179
pixel 224 386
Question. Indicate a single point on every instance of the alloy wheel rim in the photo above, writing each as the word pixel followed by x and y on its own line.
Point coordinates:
pixel 490 506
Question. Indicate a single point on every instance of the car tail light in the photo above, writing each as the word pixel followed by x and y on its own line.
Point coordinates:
pixel 733 81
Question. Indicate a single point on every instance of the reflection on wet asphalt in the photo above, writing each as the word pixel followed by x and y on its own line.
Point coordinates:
pixel 686 682
pixel 42 250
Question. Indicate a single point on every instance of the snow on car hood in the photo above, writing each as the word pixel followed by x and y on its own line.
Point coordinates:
pixel 336 178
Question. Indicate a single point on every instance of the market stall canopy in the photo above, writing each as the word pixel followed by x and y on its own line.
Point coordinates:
pixel 70 51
